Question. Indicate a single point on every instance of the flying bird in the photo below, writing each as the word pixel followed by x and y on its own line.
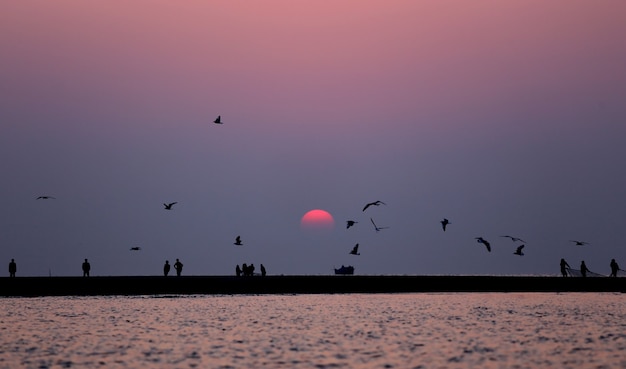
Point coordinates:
pixel 484 242
pixel 169 206
pixel 238 241
pixel 350 223
pixel 444 223
pixel 518 250
pixel 375 203
pixel 218 120
pixel 45 198
pixel 355 250
pixel 377 228
pixel 136 248
pixel 514 239
pixel 580 243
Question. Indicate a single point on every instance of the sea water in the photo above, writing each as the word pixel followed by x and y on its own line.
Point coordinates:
pixel 456 330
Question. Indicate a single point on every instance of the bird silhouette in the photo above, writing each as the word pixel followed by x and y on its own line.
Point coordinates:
pixel 518 250
pixel 514 239
pixel 377 228
pixel 218 120
pixel 169 206
pixel 580 243
pixel 135 248
pixel 350 223
pixel 444 223
pixel 238 241
pixel 375 203
pixel 45 198
pixel 355 250
pixel 484 242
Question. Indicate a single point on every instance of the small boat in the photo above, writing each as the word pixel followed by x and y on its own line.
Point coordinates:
pixel 345 270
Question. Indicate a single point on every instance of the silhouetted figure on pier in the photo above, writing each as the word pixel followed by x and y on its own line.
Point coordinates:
pixel 583 268
pixel 263 271
pixel 12 268
pixel 247 270
pixel 179 267
pixel 86 268
pixel 166 268
pixel 238 271
pixel 614 268
pixel 564 267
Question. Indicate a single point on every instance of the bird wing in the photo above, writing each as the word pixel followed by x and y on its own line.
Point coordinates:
pixel 373 223
pixel 487 245
pixel 366 206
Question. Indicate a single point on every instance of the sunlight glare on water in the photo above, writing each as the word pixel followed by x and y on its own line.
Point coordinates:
pixel 526 330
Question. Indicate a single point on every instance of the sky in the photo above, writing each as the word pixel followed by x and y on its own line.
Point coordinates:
pixel 505 117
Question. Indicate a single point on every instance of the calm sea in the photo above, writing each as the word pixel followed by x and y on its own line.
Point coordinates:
pixel 473 330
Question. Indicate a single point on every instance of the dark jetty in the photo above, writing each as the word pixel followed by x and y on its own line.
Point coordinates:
pixel 187 285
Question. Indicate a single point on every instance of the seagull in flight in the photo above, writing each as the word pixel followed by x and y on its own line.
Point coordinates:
pixel 218 120
pixel 350 223
pixel 136 248
pixel 514 239
pixel 355 250
pixel 169 206
pixel 377 228
pixel 484 242
pixel 444 223
pixel 580 243
pixel 45 198
pixel 238 241
pixel 518 250
pixel 375 203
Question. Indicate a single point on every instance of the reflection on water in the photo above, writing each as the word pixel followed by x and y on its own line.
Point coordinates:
pixel 316 331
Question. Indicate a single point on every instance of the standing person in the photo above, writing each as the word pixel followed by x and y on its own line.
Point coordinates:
pixel 166 268
pixel 238 271
pixel 263 272
pixel 564 267
pixel 614 268
pixel 12 268
pixel 179 267
pixel 86 268
pixel 583 269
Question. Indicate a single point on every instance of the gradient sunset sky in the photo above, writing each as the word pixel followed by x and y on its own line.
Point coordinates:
pixel 506 117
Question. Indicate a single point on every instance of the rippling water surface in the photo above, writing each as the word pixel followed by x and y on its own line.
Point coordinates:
pixel 316 331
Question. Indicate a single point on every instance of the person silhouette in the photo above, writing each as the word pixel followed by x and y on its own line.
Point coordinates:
pixel 614 268
pixel 238 271
pixel 583 269
pixel 86 268
pixel 12 268
pixel 263 271
pixel 564 267
pixel 166 268
pixel 179 267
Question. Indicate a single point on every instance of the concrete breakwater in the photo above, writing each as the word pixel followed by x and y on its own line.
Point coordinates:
pixel 188 285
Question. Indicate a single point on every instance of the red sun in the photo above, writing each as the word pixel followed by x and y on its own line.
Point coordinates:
pixel 317 220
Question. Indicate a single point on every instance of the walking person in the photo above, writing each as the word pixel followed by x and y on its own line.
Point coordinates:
pixel 179 267
pixel 12 268
pixel 86 268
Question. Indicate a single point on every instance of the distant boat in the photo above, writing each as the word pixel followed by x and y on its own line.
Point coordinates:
pixel 345 270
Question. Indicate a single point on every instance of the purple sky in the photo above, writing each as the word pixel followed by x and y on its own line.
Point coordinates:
pixel 507 118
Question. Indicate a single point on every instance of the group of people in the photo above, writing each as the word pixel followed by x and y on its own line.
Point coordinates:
pixel 177 265
pixel 565 268
pixel 248 270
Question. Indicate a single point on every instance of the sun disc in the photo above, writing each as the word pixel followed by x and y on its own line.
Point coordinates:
pixel 317 219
